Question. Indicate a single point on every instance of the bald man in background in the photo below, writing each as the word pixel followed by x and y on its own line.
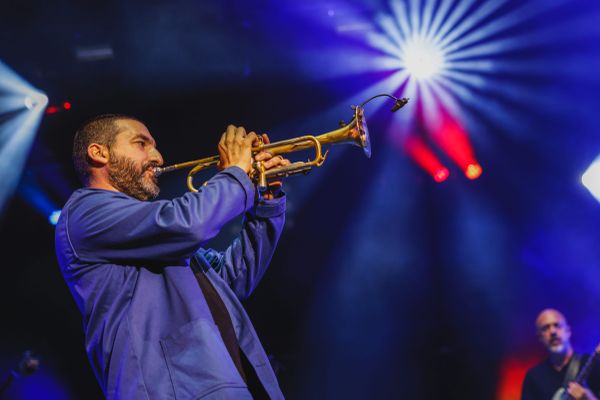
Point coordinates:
pixel 545 379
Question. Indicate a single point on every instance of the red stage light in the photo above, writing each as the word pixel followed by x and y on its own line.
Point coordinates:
pixel 441 175
pixel 473 171
pixel 52 110
pixel 417 149
pixel 454 141
pixel 67 105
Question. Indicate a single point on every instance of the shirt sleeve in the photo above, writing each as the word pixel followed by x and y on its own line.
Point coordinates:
pixel 245 261
pixel 105 226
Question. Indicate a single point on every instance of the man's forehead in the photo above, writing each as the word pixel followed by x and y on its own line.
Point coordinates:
pixel 549 317
pixel 130 128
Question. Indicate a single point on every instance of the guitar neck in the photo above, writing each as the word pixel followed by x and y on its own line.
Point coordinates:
pixel 587 368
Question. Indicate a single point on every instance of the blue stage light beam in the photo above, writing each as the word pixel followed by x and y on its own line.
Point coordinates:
pixel 14 151
pixel 13 102
pixel 31 192
pixel 26 105
pixel 54 216
pixel 17 134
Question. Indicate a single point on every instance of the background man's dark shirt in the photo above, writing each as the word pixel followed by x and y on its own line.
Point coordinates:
pixel 542 381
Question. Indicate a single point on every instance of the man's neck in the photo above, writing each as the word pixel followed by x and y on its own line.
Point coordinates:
pixel 559 360
pixel 98 183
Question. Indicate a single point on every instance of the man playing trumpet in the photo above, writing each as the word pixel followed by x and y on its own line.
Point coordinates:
pixel 162 315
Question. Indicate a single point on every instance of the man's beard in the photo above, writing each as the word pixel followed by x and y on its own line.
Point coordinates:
pixel 557 348
pixel 128 178
pixel 557 345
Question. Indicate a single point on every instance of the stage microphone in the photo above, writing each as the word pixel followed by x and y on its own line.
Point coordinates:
pixel 399 103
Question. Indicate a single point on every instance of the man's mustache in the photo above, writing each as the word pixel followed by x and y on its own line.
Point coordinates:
pixel 149 166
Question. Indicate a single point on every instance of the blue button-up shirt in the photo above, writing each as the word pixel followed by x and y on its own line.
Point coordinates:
pixel 149 333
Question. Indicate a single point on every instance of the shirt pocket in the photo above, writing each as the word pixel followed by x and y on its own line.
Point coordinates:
pixel 198 361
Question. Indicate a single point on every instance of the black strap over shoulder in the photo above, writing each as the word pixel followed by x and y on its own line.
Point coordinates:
pixel 572 370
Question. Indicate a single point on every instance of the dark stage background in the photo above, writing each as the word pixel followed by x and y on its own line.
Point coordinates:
pixel 386 283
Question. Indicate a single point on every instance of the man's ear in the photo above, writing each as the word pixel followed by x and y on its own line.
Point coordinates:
pixel 98 154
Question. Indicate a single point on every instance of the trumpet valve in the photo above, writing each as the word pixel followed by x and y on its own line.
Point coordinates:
pixel 262 176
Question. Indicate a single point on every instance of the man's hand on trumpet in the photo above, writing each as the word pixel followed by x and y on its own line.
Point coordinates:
pixel 235 149
pixel 270 161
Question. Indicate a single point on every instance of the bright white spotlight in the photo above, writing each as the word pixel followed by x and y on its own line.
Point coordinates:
pixel 422 58
pixel 35 100
pixel 18 134
pixel 18 130
pixel 53 217
pixel 591 179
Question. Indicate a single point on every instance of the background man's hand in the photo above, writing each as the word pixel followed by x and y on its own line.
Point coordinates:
pixel 579 392
pixel 235 148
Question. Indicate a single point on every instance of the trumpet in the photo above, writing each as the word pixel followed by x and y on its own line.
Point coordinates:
pixel 355 133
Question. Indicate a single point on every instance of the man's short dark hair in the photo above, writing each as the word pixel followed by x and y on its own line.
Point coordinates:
pixel 102 129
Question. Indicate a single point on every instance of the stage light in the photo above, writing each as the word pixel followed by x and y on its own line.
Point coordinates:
pixel 432 41
pixel 422 58
pixel 441 175
pixel 473 171
pixel 42 100
pixel 423 156
pixel 53 109
pixel 53 217
pixel 28 102
pixel 452 138
pixel 18 131
pixel 35 100
pixel 591 178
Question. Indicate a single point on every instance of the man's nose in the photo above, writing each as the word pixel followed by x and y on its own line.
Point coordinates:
pixel 156 157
